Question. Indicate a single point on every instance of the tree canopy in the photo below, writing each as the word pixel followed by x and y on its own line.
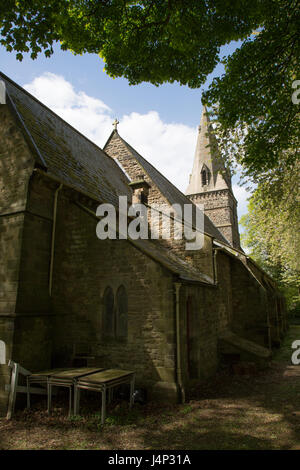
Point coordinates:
pixel 259 120
pixel 177 40
pixel 145 40
pixel 272 226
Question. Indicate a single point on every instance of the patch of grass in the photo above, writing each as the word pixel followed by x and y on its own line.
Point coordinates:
pixel 187 409
pixel 284 353
pixel 75 419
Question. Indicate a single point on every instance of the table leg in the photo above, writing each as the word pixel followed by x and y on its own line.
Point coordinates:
pixel 49 393
pixel 28 393
pixel 103 413
pixel 76 399
pixel 131 392
pixel 70 401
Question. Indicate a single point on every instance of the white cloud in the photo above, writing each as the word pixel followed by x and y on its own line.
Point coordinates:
pixel 168 146
pixel 89 115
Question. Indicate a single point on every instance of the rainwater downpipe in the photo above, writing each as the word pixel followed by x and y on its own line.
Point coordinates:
pixel 53 237
pixel 215 268
pixel 178 349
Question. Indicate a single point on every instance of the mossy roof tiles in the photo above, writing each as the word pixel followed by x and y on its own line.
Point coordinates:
pixel 68 155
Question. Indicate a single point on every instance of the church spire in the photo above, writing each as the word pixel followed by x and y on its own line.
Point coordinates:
pixel 210 184
pixel 208 172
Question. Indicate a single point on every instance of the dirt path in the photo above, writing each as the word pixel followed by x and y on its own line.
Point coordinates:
pixel 261 411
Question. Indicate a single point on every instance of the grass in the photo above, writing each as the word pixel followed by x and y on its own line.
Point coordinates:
pixel 229 412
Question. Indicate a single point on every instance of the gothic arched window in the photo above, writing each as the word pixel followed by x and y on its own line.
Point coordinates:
pixel 121 313
pixel 108 313
pixel 205 175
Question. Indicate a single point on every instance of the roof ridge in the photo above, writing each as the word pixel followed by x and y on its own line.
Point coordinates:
pixel 170 183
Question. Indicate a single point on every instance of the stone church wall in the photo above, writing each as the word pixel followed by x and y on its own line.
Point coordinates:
pixel 205 312
pixel 84 267
pixel 33 334
pixel 20 274
pixel 15 166
pixel 249 305
pixel 199 326
pixel 224 292
pixel 277 315
pixel 220 207
pixel 201 259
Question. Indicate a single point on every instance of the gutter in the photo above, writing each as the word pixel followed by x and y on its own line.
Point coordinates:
pixel 178 349
pixel 233 251
pixel 53 237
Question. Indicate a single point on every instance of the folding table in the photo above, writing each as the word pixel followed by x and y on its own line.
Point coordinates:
pixel 100 382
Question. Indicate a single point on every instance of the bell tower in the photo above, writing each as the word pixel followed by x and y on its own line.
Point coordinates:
pixel 210 184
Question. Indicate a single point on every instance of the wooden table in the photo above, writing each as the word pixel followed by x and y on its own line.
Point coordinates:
pixel 101 382
pixel 61 377
pixel 68 378
pixel 40 378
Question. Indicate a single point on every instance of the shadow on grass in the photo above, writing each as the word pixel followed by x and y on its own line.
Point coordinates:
pixel 229 412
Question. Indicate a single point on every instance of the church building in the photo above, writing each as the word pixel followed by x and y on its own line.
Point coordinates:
pixel 210 185
pixel 149 305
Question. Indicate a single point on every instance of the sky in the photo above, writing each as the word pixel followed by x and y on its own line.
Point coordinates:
pixel 159 122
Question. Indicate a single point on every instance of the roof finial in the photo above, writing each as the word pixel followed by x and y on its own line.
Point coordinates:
pixel 115 123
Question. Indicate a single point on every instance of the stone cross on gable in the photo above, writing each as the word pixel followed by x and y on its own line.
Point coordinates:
pixel 115 124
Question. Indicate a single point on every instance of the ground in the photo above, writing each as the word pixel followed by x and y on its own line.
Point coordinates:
pixel 257 411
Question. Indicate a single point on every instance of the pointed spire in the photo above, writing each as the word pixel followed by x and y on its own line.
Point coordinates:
pixel 208 170
pixel 204 121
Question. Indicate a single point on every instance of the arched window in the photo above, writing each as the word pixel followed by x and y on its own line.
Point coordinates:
pixel 204 177
pixel 108 323
pixel 121 313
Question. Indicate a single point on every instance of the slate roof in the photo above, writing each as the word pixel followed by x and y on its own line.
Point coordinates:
pixel 66 153
pixel 69 156
pixel 173 263
pixel 171 193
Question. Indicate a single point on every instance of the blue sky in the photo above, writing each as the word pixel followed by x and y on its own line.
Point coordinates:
pixel 160 122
